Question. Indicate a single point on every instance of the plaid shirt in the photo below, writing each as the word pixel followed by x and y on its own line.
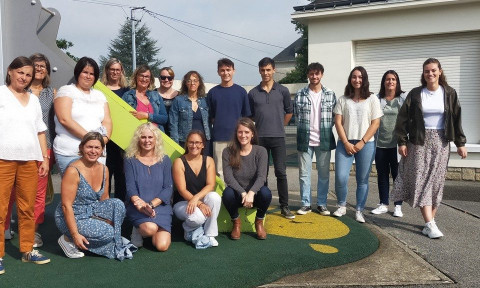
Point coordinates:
pixel 302 108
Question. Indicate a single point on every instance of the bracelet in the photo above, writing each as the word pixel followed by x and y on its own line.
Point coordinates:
pixel 151 204
pixel 364 141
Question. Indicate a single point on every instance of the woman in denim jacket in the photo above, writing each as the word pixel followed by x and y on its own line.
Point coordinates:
pixel 147 103
pixel 189 110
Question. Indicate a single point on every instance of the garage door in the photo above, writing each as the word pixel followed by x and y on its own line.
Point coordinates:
pixel 459 54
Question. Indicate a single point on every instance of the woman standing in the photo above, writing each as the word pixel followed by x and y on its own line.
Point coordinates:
pixel 357 117
pixel 189 111
pixel 245 171
pixel 391 99
pixel 148 174
pixel 429 119
pixel 22 159
pixel 196 202
pixel 40 88
pixel 79 109
pixel 114 78
pixel 86 217
pixel 147 103
pixel 166 91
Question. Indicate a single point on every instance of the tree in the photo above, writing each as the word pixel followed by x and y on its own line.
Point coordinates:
pixel 64 45
pixel 146 49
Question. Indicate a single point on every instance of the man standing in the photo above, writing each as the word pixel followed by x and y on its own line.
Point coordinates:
pixel 272 109
pixel 313 107
pixel 227 103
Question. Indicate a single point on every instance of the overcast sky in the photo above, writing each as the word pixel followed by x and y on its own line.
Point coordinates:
pixel 91 27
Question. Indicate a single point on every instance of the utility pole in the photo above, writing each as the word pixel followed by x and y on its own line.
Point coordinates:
pixel 134 50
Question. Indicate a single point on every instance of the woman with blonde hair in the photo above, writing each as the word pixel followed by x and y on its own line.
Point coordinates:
pixel 148 173
pixel 114 78
pixel 147 103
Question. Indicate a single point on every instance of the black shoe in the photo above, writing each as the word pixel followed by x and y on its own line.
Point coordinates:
pixel 322 211
pixel 286 212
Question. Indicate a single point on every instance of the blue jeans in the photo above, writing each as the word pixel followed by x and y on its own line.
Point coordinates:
pixel 387 163
pixel 233 200
pixel 363 165
pixel 305 173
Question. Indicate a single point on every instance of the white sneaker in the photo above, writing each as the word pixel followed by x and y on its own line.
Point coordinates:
pixel 381 209
pixel 340 211
pixel 70 249
pixel 213 241
pixel 9 234
pixel 398 211
pixel 359 217
pixel 432 231
pixel 136 238
pixel 38 240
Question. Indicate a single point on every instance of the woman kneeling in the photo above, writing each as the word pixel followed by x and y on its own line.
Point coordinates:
pixel 197 204
pixel 245 173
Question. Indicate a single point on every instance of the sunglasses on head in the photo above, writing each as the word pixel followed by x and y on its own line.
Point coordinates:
pixel 170 78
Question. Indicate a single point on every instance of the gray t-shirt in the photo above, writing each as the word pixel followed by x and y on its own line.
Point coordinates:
pixel 269 109
pixel 251 175
pixel 386 137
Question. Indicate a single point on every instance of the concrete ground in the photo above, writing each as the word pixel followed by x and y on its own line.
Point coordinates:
pixel 405 257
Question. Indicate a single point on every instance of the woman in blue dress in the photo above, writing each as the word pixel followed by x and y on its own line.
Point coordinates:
pixel 148 174
pixel 87 218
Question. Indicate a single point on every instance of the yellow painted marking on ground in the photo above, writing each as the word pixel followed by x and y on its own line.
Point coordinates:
pixel 326 249
pixel 309 226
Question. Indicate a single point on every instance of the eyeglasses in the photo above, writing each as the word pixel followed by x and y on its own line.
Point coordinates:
pixel 116 70
pixel 144 76
pixel 38 66
pixel 170 78
pixel 194 81
pixel 196 143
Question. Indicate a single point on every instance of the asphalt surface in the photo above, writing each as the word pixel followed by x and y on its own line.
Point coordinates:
pixel 405 257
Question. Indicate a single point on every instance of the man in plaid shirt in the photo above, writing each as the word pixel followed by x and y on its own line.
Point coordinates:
pixel 313 109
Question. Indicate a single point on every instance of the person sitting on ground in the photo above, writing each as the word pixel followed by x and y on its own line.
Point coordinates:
pixel 86 217
pixel 245 171
pixel 148 174
pixel 197 204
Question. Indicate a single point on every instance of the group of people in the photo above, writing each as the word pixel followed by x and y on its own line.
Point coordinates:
pixel 240 130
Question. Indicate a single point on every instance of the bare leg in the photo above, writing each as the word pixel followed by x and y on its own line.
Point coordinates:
pixel 161 240
pixel 428 213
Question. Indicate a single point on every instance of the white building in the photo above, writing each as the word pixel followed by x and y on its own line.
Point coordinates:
pixel 401 35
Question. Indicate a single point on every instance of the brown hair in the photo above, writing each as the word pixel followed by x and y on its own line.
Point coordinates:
pixel 123 81
pixel 364 90
pixel 88 137
pixel 17 63
pixel 442 80
pixel 234 146
pixel 39 57
pixel 195 132
pixel 201 85
pixel 142 69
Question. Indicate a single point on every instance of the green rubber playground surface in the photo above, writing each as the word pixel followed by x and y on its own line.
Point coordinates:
pixel 306 243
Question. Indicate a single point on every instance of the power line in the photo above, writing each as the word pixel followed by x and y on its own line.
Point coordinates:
pixel 195 40
pixel 229 34
pixel 102 3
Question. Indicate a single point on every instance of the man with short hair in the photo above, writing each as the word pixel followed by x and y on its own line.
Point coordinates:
pixel 227 103
pixel 313 107
pixel 272 109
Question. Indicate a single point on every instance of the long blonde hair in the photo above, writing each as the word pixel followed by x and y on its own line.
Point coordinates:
pixel 134 147
pixel 123 81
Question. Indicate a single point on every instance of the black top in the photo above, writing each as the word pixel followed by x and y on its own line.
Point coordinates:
pixel 197 121
pixel 195 183
pixel 120 91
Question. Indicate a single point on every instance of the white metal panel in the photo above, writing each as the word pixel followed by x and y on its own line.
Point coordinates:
pixel 459 54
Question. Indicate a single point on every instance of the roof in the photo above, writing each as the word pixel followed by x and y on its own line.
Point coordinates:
pixel 288 54
pixel 328 4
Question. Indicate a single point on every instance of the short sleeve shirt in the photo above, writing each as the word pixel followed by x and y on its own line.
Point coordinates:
pixel 357 116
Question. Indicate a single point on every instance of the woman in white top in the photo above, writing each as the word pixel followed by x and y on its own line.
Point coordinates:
pixel 23 154
pixel 429 119
pixel 357 117
pixel 79 109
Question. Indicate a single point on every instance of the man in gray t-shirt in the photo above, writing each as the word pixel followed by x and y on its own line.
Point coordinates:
pixel 271 109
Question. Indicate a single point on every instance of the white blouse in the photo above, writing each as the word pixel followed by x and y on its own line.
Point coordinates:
pixel 88 110
pixel 19 126
pixel 357 117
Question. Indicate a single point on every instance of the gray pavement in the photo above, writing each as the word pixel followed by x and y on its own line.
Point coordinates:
pixel 405 257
